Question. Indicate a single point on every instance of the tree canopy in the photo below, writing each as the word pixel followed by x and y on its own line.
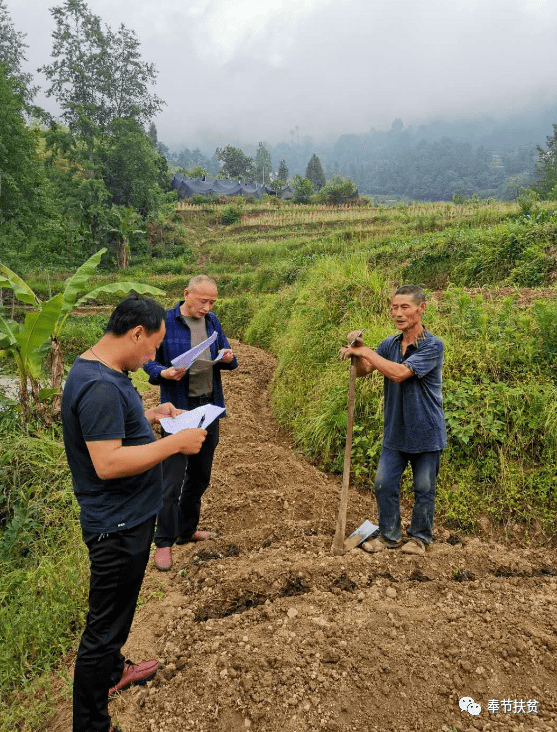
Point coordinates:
pixel 19 165
pixel 236 164
pixel 547 167
pixel 263 164
pixel 12 55
pixel 97 74
pixel 315 173
pixel 282 171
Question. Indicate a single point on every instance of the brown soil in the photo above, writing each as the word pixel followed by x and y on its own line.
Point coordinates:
pixel 264 629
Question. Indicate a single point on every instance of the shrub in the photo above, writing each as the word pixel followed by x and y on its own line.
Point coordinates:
pixel 231 215
pixel 200 199
pixel 43 569
pixel 337 190
pixel 302 189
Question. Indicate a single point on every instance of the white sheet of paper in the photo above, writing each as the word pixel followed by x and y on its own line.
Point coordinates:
pixel 206 363
pixel 185 360
pixel 188 420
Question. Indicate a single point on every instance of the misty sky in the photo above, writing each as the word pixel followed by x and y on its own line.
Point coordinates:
pixel 236 71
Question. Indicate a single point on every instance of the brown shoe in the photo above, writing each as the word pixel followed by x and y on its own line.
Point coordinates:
pixel 414 546
pixel 378 545
pixel 198 536
pixel 163 558
pixel 135 674
pixel 204 536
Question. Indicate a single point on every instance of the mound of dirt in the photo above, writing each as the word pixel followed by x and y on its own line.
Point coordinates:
pixel 264 629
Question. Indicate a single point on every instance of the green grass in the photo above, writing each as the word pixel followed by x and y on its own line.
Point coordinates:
pixel 43 575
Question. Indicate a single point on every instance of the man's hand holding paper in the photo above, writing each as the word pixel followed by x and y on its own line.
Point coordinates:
pixel 190 420
pixel 185 360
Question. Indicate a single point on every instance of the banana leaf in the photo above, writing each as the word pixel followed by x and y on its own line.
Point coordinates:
pixel 8 331
pixel 124 288
pixel 34 338
pixel 21 289
pixel 77 283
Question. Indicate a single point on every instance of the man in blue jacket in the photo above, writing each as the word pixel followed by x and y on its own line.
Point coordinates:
pixel 186 478
pixel 414 423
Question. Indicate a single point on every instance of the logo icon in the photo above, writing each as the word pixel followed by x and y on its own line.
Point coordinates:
pixel 467 704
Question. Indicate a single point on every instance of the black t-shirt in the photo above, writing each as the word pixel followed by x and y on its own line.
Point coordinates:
pixel 99 403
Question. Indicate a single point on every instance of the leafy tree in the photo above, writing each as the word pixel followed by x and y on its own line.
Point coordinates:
pixel 337 190
pixel 236 164
pixel 19 166
pixel 12 56
pixel 197 172
pixel 152 134
pixel 263 164
pixel 75 172
pixel 127 86
pixel 314 172
pixel 303 189
pixel 119 167
pixel 547 167
pixel 133 172
pixel 282 173
pixel 97 75
pixel 192 159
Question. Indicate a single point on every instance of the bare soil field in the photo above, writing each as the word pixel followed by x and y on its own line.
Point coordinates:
pixel 264 629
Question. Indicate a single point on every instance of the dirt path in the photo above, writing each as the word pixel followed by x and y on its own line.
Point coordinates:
pixel 264 629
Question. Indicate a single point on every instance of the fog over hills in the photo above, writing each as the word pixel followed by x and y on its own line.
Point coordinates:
pixel 247 71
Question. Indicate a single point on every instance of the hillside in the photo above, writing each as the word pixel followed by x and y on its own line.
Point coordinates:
pixel 264 629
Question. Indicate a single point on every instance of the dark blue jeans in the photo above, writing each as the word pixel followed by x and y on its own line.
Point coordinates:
pixel 185 479
pixel 425 467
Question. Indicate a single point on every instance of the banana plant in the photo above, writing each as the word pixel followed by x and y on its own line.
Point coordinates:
pixel 126 219
pixel 30 343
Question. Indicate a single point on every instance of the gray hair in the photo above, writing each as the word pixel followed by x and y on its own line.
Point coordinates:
pixel 200 279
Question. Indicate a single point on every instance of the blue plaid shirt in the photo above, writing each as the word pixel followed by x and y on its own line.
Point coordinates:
pixel 176 341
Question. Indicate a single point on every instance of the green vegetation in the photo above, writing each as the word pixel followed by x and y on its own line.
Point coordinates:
pixel 315 173
pixel 337 190
pixel 29 343
pixel 69 189
pixel 297 278
pixel 43 574
pixel 547 167
pixel 294 279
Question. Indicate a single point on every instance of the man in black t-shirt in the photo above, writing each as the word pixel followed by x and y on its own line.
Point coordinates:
pixel 115 461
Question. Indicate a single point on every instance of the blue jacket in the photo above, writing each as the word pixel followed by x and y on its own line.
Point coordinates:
pixel 176 341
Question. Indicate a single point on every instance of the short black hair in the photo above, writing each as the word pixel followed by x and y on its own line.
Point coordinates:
pixel 418 295
pixel 133 311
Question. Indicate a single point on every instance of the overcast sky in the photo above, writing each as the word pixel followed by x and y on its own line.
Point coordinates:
pixel 236 71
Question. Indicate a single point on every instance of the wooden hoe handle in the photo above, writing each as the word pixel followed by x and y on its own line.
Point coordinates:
pixel 338 541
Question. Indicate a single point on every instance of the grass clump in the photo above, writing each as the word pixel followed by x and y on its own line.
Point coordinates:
pixel 43 574
pixel 499 388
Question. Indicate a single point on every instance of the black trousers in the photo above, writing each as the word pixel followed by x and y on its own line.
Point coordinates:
pixel 118 563
pixel 185 478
